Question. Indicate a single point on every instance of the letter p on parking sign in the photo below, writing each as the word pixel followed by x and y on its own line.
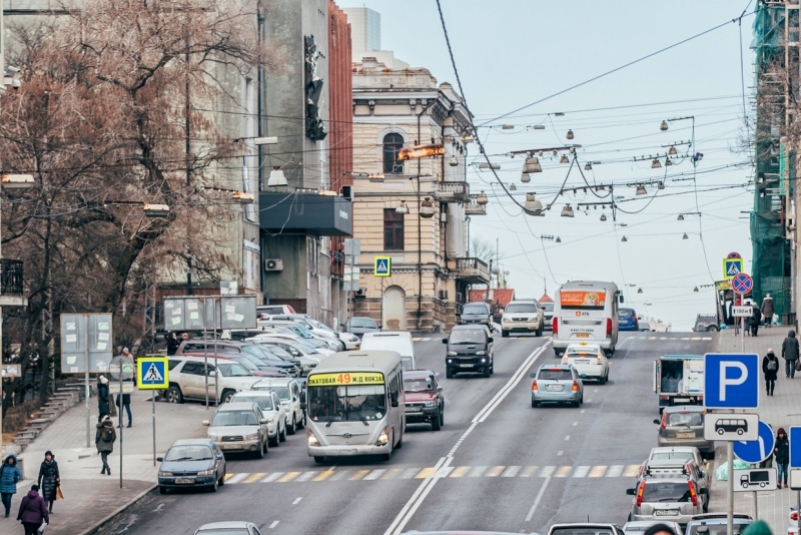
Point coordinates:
pixel 731 381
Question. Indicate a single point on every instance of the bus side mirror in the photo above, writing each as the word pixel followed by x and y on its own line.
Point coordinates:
pixel 620 297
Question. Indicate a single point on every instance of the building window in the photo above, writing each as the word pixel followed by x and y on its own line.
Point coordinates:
pixel 393 143
pixel 393 230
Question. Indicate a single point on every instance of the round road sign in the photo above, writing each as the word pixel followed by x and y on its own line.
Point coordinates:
pixel 121 366
pixel 742 283
pixel 733 255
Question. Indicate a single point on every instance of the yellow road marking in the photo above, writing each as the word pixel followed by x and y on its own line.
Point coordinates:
pixel 425 472
pixel 495 471
pixel 254 477
pixel 392 474
pixel 228 476
pixel 416 339
pixel 289 476
pixel 597 471
pixel 563 471
pixel 460 471
pixel 358 475
pixel 322 476
pixel 529 471
pixel 631 470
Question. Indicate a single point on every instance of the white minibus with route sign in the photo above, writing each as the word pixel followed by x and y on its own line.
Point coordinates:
pixel 355 405
pixel 586 311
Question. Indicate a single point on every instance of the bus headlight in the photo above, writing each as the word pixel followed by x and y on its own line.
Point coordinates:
pixel 311 440
pixel 383 438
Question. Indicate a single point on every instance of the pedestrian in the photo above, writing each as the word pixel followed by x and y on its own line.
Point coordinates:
pixel 49 478
pixel 184 337
pixel 770 367
pixel 768 310
pixel 756 319
pixel 9 477
pixel 172 344
pixel 102 398
pixel 660 529
pixel 105 436
pixel 758 527
pixel 33 511
pixel 124 401
pixel 790 353
pixel 781 452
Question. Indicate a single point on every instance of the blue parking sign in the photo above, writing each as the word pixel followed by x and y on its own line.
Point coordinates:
pixel 731 381
pixel 795 447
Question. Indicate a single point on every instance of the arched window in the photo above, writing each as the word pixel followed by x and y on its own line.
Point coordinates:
pixel 393 143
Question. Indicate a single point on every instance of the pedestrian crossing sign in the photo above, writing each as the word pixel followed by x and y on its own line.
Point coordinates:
pixel 152 373
pixel 382 266
pixel 732 267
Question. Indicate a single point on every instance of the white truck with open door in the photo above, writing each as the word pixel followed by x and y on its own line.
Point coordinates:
pixel 679 380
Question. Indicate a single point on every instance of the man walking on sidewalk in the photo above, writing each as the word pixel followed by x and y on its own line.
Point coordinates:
pixel 790 353
pixel 781 453
pixel 770 367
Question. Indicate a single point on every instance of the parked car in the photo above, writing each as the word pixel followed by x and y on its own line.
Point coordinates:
pixel 683 425
pixel 523 316
pixel 254 352
pixel 469 349
pixel 676 453
pixel 228 528
pixel 239 428
pixel 425 401
pixel 680 467
pixel 706 323
pixel 192 463
pixel 300 330
pixel 292 397
pixel 188 379
pixel 327 334
pixel 271 408
pixel 716 524
pixel 627 320
pixel 255 366
pixel 476 312
pixel 640 527
pixel 360 324
pixel 272 310
pixel 556 384
pixel 586 528
pixel 677 499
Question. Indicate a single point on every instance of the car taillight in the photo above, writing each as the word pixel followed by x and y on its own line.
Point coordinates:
pixel 794 516
pixel 534 385
pixel 598 360
pixel 663 424
pixel 693 495
pixel 608 326
pixel 640 492
pixel 575 386
pixel 555 325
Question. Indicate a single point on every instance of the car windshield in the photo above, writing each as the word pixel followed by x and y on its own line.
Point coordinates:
pixel 229 418
pixel 555 375
pixel 417 384
pixel 582 531
pixel 668 455
pixel 233 369
pixel 189 453
pixel 521 308
pixel 717 527
pixel 265 403
pixel 363 323
pixel 247 363
pixel 666 491
pixel 278 351
pixel 467 336
pixel 282 391
pixel 347 403
pixel 625 313
pixel 475 308
pixel 547 306
pixel 591 350
pixel 231 531
pixel 684 419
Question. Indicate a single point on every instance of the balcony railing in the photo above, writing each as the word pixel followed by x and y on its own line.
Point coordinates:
pixel 453 191
pixel 472 270
pixel 473 208
pixel 10 277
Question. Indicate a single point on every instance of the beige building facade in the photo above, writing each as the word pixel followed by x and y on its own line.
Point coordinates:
pixel 412 212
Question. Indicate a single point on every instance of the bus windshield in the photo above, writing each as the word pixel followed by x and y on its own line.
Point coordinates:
pixel 347 403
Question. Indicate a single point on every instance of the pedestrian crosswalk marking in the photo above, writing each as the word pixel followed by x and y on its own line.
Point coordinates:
pixel 416 339
pixel 448 472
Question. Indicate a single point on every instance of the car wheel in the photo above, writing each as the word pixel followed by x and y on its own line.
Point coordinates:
pixel 504 334
pixel 486 371
pixel 302 423
pixel 260 451
pixel 162 490
pixel 282 434
pixel 174 395
pixel 492 365
pixel 436 423
pixel 534 404
pixel 227 395
pixel 442 415
pixel 712 329
pixel 222 479
pixel 275 441
pixel 213 487
pixel 292 428
pixel 319 459
pixel 538 332
pixel 448 373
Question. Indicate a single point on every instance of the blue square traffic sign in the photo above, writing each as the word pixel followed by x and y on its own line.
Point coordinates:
pixel 152 373
pixel 731 381
pixel 795 447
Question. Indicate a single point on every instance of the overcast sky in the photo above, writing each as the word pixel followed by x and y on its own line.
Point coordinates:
pixel 511 53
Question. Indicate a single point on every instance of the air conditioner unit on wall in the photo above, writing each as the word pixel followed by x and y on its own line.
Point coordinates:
pixel 273 264
pixel 361 292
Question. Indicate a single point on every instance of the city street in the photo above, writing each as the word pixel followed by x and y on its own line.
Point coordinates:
pixel 497 464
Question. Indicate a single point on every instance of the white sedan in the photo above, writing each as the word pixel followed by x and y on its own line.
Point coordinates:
pixel 589 360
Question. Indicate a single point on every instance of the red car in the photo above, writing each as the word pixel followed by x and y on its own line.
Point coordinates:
pixel 425 402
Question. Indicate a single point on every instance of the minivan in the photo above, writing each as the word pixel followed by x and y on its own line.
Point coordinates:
pixel 398 341
pixel 469 350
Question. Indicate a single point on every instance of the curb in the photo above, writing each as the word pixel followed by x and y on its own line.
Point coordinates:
pixel 94 529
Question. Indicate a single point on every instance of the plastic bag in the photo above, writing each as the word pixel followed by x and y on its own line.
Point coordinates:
pixel 722 472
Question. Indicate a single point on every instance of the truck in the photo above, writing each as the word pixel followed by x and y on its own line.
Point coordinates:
pixel 679 380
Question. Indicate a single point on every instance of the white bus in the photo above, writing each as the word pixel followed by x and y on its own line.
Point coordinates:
pixel 586 311
pixel 355 405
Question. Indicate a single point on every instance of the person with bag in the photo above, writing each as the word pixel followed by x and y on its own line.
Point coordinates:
pixel 10 475
pixel 102 398
pixel 770 367
pixel 756 319
pixel 33 511
pixel 781 452
pixel 104 440
pixel 790 353
pixel 49 478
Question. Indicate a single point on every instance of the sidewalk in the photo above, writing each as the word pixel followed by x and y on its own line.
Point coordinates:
pixel 783 409
pixel 90 498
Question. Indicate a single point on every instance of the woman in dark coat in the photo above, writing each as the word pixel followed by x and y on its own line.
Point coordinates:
pixel 770 367
pixel 105 436
pixel 103 406
pixel 32 511
pixel 49 479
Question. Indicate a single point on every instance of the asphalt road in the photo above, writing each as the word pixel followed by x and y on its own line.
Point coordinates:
pixel 498 463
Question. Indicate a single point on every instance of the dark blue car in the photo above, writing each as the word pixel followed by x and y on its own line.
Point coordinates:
pixel 193 463
pixel 627 320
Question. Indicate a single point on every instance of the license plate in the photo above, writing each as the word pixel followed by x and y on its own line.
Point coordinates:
pixel 582 361
pixel 467 365
pixel 231 446
pixel 582 335
pixel 554 388
pixel 685 435
pixel 184 481
pixel 666 512
pixel 681 400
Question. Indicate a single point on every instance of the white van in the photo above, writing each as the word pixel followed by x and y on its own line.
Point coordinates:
pixel 586 311
pixel 398 341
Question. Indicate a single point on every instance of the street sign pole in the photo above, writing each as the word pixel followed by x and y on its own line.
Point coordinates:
pixel 730 488
pixel 756 507
pixel 119 411
pixel 153 404
pixel 88 391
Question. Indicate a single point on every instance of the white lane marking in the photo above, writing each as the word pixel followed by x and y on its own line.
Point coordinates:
pixel 594 390
pixel 581 471
pixel 269 479
pixel 411 506
pixel 706 338
pixel 547 471
pixel 589 400
pixel 409 473
pixel 425 339
pixel 306 476
pixel 652 337
pixel 615 470
pixel 375 474
pixel 237 478
pixel 476 471
pixel 530 514
pixel 559 453
pixel 511 471
pixel 567 437
pixel 684 338
pixel 624 341
pixel 583 411
pixel 444 471
pixel 575 424
pixel 297 501
pixel 272 526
